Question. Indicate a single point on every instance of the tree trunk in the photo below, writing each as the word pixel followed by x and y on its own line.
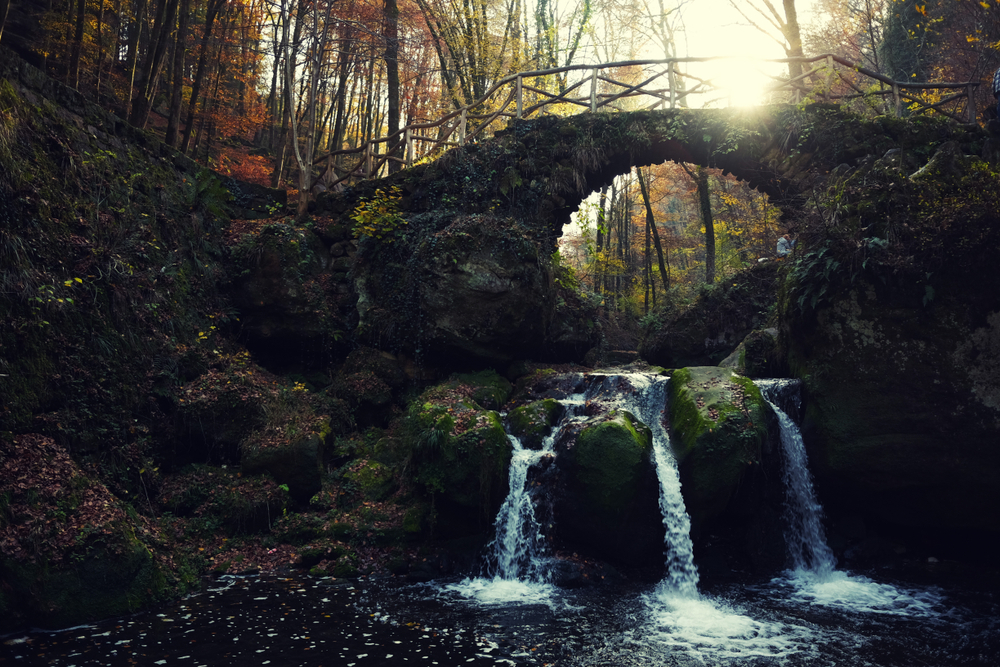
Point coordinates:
pixel 4 8
pixel 214 7
pixel 77 51
pixel 176 94
pixel 794 39
pixel 705 201
pixel 165 13
pixel 132 53
pixel 392 76
pixel 664 275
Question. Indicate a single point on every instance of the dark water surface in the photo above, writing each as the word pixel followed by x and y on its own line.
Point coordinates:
pixel 789 621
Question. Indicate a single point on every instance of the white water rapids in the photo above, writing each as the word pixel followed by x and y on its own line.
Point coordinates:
pixel 676 619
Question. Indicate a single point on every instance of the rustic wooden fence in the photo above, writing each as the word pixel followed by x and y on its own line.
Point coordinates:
pixel 654 84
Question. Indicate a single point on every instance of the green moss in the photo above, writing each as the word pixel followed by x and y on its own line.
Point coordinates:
pixel 490 389
pixel 608 458
pixel 532 422
pixel 374 480
pixel 718 427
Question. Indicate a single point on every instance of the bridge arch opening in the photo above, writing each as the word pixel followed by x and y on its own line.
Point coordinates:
pixel 645 239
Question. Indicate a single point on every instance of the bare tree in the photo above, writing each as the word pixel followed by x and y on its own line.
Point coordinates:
pixel 785 22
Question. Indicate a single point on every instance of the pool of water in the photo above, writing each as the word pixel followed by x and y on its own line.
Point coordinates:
pixel 793 620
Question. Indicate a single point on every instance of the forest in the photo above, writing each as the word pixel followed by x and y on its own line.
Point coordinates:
pixel 263 310
pixel 285 93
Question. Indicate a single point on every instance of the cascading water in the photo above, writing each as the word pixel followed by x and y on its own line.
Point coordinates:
pixel 517 551
pixel 806 537
pixel 517 567
pixel 518 546
pixel 648 403
pixel 814 578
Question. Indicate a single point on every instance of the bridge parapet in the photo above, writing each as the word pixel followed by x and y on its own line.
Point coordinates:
pixel 635 85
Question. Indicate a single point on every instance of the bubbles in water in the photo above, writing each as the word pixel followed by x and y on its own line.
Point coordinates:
pixel 715 631
pixel 503 591
pixel 852 592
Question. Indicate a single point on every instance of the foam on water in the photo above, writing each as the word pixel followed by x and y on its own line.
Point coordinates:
pixel 853 592
pixel 499 591
pixel 715 631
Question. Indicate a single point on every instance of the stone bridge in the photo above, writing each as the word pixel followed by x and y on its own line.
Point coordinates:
pixel 469 274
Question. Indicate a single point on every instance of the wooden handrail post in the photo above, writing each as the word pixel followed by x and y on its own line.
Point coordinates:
pixel 520 104
pixel 828 94
pixel 461 127
pixel 970 103
pixel 897 99
pixel 409 148
pixel 672 84
pixel 593 91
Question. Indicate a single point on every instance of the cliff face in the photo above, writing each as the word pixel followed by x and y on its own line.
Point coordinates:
pixel 890 314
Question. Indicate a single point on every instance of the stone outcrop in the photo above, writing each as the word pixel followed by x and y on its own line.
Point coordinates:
pixel 606 490
pixel 718 432
pixel 894 327
pixel 721 318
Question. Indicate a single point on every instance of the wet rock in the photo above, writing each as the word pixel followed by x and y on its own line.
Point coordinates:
pixel 606 490
pixel 718 429
pixel 532 422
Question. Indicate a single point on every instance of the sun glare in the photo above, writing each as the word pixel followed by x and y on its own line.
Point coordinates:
pixel 739 82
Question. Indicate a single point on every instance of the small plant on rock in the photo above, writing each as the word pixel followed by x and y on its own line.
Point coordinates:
pixel 378 216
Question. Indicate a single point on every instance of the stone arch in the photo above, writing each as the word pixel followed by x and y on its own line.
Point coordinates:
pixel 471 277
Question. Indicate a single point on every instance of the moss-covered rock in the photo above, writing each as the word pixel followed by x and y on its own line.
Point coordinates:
pixel 532 422
pixel 220 498
pixel 607 461
pixel 905 434
pixel 70 552
pixel 757 356
pixel 890 317
pixel 373 480
pixel 605 490
pixel 710 329
pixel 490 389
pixel 718 428
pixel 291 313
pixel 457 451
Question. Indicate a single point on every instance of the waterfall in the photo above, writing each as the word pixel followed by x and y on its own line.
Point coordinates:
pixel 648 402
pixel 682 573
pixel 517 548
pixel 806 539
pixel 517 551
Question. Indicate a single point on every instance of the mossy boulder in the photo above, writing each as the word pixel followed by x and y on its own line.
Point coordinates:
pixel 489 389
pixel 710 329
pixel 718 429
pixel 70 552
pixel 369 381
pixel 757 356
pixel 460 289
pixel 373 480
pixel 532 422
pixel 295 461
pixel 458 453
pixel 290 309
pixel 892 319
pixel 607 490
pixel 221 498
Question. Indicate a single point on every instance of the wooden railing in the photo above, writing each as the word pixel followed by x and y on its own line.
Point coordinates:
pixel 661 84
